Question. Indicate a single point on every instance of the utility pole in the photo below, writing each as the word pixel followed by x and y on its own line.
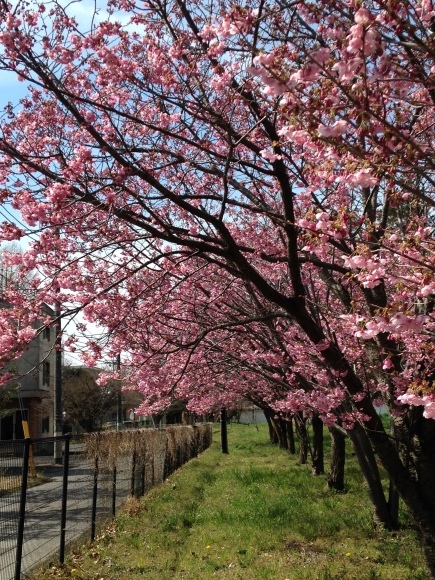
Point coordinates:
pixel 119 397
pixel 58 417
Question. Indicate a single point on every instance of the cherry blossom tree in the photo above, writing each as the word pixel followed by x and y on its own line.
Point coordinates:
pixel 288 146
pixel 213 341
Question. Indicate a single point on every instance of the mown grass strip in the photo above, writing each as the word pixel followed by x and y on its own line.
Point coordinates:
pixel 252 514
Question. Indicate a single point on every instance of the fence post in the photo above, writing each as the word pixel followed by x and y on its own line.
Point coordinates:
pixel 22 514
pixel 224 431
pixel 133 473
pixel 64 500
pixel 114 491
pixel 142 491
pixel 94 499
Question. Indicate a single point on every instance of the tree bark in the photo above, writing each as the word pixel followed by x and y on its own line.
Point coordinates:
pixel 290 436
pixel 317 455
pixel 338 458
pixel 282 433
pixel 393 503
pixel 301 430
pixel 277 429
pixel 272 435
pixel 393 495
pixel 369 467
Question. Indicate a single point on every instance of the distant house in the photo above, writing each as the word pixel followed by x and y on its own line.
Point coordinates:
pixel 251 414
pixel 33 398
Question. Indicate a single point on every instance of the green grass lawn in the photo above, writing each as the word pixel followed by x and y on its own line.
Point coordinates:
pixel 253 514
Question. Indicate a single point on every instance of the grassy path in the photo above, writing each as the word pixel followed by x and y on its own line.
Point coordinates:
pixel 253 514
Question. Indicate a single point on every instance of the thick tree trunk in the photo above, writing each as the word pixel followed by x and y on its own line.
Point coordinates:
pixel 290 436
pixel 277 433
pixel 393 503
pixel 282 429
pixel 273 437
pixel 422 458
pixel 369 467
pixel 393 494
pixel 301 430
pixel 317 455
pixel 338 457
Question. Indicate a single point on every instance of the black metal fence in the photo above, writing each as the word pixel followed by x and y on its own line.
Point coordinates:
pixel 43 506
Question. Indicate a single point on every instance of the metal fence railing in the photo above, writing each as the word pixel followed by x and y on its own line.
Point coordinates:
pixel 44 506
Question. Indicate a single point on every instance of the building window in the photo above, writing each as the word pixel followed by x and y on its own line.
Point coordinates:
pixel 46 373
pixel 46 425
pixel 47 333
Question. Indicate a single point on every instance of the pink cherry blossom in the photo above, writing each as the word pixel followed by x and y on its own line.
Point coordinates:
pixel 335 130
pixel 363 177
pixel 269 155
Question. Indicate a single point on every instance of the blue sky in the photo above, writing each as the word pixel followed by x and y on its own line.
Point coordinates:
pixel 11 90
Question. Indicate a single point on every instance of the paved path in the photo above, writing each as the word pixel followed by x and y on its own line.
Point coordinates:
pixel 42 523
